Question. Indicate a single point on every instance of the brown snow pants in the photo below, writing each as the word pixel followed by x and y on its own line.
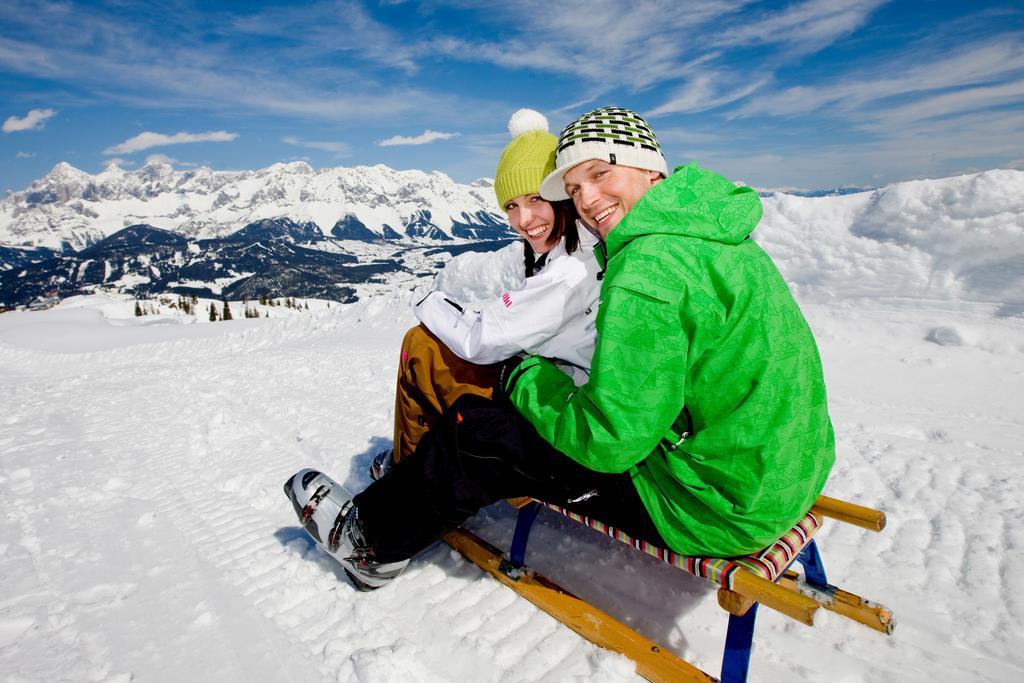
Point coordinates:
pixel 430 378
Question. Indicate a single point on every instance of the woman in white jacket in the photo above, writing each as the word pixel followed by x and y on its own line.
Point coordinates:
pixel 552 314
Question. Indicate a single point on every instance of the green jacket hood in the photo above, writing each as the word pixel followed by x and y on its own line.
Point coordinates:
pixel 694 202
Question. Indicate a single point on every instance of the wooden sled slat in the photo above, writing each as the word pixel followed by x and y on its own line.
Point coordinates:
pixel 871 614
pixel 858 515
pixel 792 604
pixel 652 662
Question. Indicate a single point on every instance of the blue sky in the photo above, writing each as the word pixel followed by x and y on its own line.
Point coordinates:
pixel 808 94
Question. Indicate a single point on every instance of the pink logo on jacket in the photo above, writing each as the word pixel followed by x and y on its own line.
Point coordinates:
pixel 507 300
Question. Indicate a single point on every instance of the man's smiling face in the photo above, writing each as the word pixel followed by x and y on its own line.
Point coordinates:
pixel 603 193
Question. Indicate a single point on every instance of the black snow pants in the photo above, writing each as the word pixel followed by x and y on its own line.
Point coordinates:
pixel 481 452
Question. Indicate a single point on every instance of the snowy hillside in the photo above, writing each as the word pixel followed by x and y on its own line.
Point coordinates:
pixel 69 206
pixel 146 536
pixel 952 238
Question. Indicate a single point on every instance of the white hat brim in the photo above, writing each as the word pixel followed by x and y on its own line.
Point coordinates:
pixel 552 187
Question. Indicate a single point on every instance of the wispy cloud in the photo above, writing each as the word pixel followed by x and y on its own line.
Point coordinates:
pixel 705 92
pixel 424 138
pixel 968 99
pixel 610 48
pixel 132 61
pixel 25 155
pixel 934 149
pixel 340 149
pixel 160 159
pixel 148 139
pixel 605 42
pixel 971 65
pixel 806 26
pixel 319 24
pixel 169 160
pixel 33 120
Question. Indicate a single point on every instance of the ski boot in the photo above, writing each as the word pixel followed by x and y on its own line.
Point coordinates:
pixel 326 511
pixel 382 463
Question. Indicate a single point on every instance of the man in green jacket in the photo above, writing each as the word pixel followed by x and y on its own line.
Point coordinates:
pixel 703 427
pixel 706 385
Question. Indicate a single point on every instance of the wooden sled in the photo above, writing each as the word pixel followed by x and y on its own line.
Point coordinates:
pixel 764 578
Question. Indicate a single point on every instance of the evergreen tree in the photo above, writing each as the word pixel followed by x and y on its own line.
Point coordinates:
pixel 213 313
pixel 226 315
pixel 138 309
pixel 195 300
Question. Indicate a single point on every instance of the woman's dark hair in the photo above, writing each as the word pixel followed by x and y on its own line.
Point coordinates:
pixel 565 224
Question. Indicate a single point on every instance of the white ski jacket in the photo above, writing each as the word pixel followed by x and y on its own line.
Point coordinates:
pixel 552 315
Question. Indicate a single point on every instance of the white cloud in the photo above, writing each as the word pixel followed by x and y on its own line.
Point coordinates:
pixel 146 140
pixel 337 148
pixel 170 161
pixel 319 22
pixel 25 155
pixel 426 137
pixel 640 44
pixel 160 159
pixel 806 27
pixel 705 92
pixel 33 120
pixel 970 140
pixel 968 99
pixel 980 63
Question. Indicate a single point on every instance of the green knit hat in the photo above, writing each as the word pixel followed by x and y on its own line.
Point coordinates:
pixel 527 159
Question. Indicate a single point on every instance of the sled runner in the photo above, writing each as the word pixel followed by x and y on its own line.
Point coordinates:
pixel 764 578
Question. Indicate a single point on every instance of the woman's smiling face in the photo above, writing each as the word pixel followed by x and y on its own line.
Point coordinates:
pixel 533 218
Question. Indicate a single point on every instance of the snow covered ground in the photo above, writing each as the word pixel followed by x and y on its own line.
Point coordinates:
pixel 145 536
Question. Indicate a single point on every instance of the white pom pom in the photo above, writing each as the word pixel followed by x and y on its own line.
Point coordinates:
pixel 526 120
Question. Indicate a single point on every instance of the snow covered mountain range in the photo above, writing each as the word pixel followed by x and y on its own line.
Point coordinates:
pixel 290 231
pixel 285 230
pixel 70 209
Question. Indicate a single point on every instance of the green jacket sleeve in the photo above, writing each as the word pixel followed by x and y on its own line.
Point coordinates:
pixel 637 384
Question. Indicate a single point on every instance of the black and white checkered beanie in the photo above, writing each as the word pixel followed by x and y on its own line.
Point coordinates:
pixel 612 134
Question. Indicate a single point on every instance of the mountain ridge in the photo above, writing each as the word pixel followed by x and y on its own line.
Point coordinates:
pixel 69 209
